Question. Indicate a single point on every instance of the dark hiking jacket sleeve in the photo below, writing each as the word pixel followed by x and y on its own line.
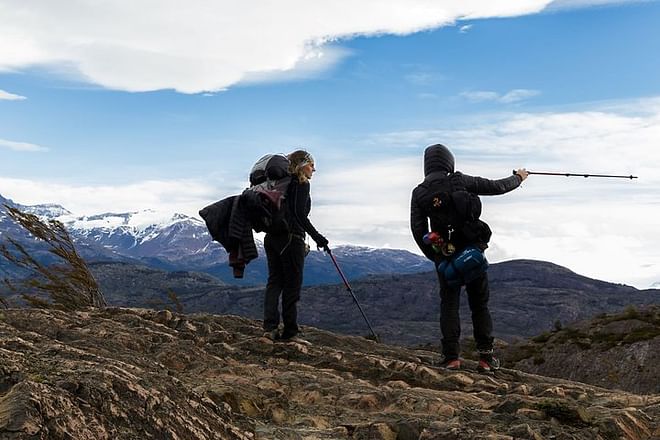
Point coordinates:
pixel 488 187
pixel 241 231
pixel 216 217
pixel 300 204
pixel 228 224
pixel 419 225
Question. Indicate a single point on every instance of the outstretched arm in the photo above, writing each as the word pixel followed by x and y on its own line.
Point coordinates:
pixel 488 187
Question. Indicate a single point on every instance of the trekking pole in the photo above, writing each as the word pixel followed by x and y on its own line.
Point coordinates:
pixel 348 287
pixel 542 173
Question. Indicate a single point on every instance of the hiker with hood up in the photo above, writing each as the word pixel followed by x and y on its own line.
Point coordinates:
pixel 440 179
pixel 286 252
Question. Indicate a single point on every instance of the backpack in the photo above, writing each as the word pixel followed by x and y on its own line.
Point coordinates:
pixel 265 199
pixel 454 213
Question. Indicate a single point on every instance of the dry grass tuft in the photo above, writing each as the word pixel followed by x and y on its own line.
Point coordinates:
pixel 69 286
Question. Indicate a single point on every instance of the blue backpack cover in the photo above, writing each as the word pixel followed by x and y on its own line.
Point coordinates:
pixel 463 267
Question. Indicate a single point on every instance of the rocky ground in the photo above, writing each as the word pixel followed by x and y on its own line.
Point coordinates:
pixel 619 350
pixel 145 374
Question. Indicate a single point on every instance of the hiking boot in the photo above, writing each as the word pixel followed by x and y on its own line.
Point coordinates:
pixel 488 363
pixel 450 364
pixel 295 338
pixel 273 335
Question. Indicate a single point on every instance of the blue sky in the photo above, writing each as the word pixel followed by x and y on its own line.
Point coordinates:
pixel 169 108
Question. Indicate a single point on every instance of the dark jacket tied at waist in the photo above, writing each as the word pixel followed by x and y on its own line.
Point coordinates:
pixel 228 224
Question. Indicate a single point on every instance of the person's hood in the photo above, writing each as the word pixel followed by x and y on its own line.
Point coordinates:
pixel 438 158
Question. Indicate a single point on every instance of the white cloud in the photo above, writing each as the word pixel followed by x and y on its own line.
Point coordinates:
pixel 10 96
pixel 518 95
pixel 21 146
pixel 210 45
pixel 478 96
pixel 311 65
pixel 465 28
pixel 182 196
pixel 515 95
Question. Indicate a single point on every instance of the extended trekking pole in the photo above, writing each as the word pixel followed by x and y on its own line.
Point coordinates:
pixel 542 173
pixel 348 287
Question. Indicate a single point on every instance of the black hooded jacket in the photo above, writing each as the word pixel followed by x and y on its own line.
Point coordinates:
pixel 437 165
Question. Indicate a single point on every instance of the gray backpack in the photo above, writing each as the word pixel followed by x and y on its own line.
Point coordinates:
pixel 265 199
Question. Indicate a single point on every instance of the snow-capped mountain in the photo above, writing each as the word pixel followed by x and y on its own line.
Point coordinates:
pixel 8 228
pixel 48 210
pixel 179 242
pixel 143 234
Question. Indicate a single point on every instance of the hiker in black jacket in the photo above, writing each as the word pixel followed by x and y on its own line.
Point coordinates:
pixel 286 252
pixel 439 165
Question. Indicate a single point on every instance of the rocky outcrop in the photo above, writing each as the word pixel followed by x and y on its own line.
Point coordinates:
pixel 617 351
pixel 136 373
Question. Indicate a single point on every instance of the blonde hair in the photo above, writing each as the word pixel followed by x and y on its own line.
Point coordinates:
pixel 297 160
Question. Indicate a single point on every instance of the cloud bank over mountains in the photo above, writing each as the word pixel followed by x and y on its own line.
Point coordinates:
pixel 598 227
pixel 211 45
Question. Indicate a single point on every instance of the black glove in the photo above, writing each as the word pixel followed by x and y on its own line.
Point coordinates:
pixel 321 242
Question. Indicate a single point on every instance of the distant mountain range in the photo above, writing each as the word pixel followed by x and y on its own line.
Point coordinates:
pixel 527 298
pixel 138 258
pixel 176 242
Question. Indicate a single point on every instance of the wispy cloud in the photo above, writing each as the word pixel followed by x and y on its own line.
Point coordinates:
pixel 209 46
pixel 463 29
pixel 21 146
pixel 515 95
pixel 423 78
pixel 609 138
pixel 10 96
pixel 577 222
pixel 518 95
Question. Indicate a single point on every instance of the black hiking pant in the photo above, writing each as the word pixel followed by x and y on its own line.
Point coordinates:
pixel 286 260
pixel 450 324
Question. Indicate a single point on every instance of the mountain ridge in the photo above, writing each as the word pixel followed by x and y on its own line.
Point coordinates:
pixel 178 242
pixel 403 308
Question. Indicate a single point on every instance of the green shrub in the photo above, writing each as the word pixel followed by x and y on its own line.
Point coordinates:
pixel 543 337
pixel 630 312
